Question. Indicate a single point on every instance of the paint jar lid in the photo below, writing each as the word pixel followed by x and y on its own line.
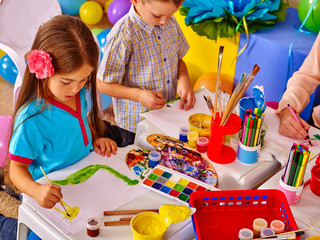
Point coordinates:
pixel 93 223
pixel 184 131
pixel 154 156
pixel 245 234
pixel 266 232
pixel 277 226
pixel 259 223
pixel 193 136
pixel 202 141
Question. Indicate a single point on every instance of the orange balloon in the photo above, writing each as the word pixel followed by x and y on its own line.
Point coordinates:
pixel 208 81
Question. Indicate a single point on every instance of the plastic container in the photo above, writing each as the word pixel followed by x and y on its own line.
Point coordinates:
pixel 245 234
pixel 200 123
pixel 202 144
pixel 315 179
pixel 292 194
pixel 246 154
pixel 154 158
pixel 258 225
pixel 192 138
pixel 217 151
pixel 93 227
pixel 244 104
pixel 277 226
pixel 266 232
pixel 148 226
pixel 221 214
pixel 183 134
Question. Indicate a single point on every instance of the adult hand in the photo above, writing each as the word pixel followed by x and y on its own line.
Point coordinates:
pixel 103 145
pixel 152 99
pixel 187 97
pixel 289 127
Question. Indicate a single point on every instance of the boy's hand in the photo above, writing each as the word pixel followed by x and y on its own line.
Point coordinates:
pixel 289 127
pixel 152 99
pixel 103 145
pixel 47 196
pixel 187 97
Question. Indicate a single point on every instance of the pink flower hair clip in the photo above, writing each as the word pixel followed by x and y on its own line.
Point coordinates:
pixel 40 63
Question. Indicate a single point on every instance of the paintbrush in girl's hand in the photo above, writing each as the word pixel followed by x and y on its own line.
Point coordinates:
pixel 50 184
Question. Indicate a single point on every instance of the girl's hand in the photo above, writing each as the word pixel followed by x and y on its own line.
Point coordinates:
pixel 151 99
pixel 103 145
pixel 289 127
pixel 185 92
pixel 47 196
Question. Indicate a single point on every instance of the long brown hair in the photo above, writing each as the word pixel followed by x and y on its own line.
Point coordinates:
pixel 70 44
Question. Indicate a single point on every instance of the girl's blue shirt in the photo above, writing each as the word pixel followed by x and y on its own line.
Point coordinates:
pixel 56 138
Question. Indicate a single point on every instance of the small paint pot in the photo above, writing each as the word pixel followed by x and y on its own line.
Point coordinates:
pixel 93 227
pixel 258 225
pixel 148 226
pixel 202 144
pixel 277 226
pixel 183 134
pixel 266 232
pixel 154 158
pixel 245 234
pixel 192 138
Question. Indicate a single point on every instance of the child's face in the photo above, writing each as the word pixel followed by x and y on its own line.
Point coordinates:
pixel 155 12
pixel 64 87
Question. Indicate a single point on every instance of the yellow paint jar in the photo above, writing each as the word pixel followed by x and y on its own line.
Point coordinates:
pixel 192 138
pixel 314 238
pixel 200 123
pixel 148 226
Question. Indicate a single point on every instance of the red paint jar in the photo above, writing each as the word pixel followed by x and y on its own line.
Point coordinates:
pixel 202 144
pixel 93 227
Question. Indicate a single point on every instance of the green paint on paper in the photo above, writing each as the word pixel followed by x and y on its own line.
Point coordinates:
pixel 87 172
pixel 317 136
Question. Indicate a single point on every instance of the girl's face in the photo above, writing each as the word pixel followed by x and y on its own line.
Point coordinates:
pixel 155 12
pixel 64 87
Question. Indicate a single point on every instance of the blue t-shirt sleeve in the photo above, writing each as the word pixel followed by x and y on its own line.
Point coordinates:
pixel 26 142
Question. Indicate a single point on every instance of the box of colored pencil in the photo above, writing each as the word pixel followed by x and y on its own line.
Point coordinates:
pixel 251 127
pixel 296 165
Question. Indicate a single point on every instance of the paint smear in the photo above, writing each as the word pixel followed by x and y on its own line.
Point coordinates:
pixel 72 211
pixel 87 172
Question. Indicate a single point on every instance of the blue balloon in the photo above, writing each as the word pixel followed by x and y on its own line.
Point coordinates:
pixel 106 101
pixel 8 69
pixel 71 7
pixel 102 38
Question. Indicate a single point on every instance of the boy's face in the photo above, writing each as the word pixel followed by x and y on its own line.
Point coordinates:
pixel 155 12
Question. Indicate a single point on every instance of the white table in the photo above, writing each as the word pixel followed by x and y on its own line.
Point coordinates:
pixel 307 211
pixel 29 217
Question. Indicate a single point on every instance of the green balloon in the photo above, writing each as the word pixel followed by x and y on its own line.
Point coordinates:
pixel 313 21
pixel 96 31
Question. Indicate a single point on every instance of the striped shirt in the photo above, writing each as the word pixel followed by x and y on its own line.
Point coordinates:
pixel 139 55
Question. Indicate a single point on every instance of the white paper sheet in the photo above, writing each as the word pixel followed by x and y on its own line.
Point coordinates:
pixel 170 119
pixel 102 192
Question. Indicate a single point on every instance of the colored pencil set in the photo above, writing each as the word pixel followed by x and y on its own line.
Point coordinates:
pixel 251 127
pixel 296 165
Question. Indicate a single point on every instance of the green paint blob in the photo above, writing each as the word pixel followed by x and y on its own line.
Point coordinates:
pixel 85 173
pixel 317 136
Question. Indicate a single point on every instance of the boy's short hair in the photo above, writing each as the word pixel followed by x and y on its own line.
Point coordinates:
pixel 175 2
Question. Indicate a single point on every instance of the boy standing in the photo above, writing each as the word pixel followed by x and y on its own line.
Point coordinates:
pixel 142 61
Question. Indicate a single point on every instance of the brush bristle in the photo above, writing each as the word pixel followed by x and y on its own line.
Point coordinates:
pixel 221 49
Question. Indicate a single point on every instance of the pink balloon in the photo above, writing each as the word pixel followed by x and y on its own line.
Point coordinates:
pixel 117 9
pixel 5 131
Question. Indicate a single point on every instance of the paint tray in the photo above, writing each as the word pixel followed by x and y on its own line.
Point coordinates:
pixel 221 214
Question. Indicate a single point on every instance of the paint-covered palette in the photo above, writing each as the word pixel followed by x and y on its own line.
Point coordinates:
pixel 175 155
pixel 173 184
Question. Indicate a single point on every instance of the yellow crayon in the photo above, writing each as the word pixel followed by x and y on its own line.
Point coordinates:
pixel 302 169
pixel 257 132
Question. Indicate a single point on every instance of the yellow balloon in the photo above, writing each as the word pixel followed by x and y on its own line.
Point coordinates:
pixel 2 53
pixel 208 81
pixel 106 5
pixel 91 12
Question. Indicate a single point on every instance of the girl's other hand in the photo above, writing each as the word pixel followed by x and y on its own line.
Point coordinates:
pixel 103 145
pixel 152 99
pixel 47 196
pixel 289 127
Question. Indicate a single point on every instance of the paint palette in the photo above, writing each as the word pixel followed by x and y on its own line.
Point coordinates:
pixel 173 184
